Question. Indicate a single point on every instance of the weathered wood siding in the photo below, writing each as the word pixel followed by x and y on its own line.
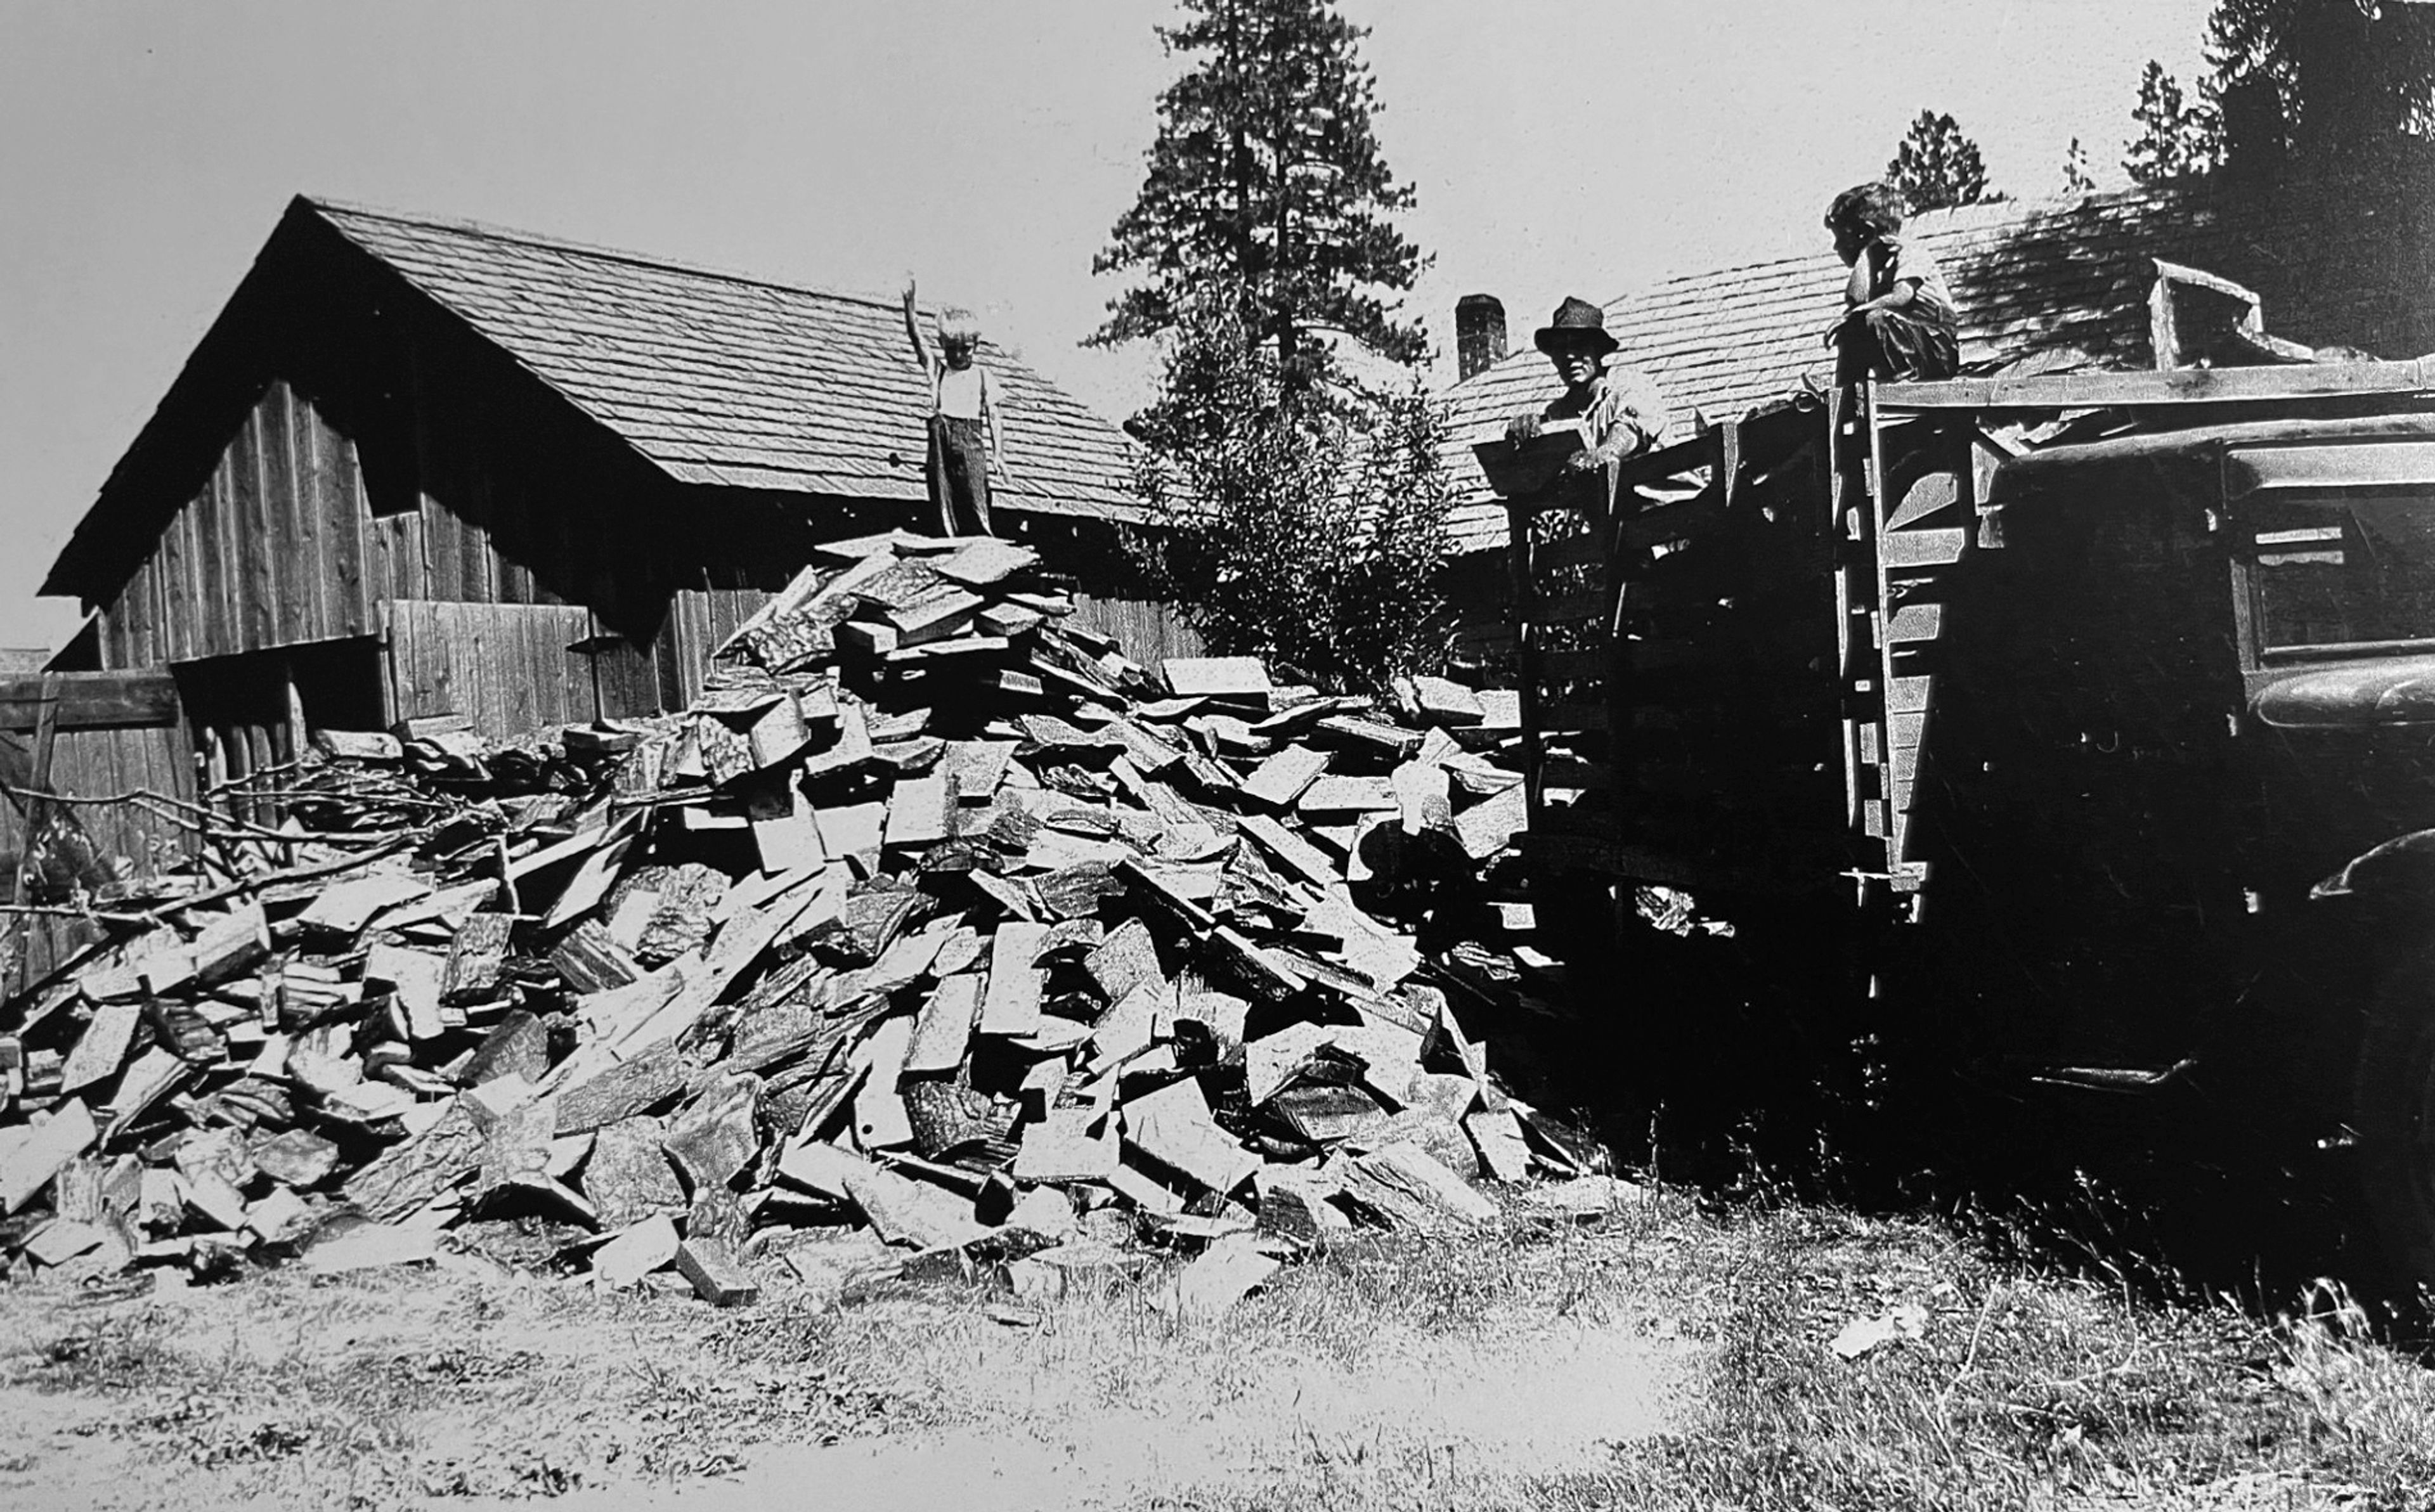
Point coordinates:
pixel 280 547
pixel 699 621
pixel 1149 630
pixel 510 668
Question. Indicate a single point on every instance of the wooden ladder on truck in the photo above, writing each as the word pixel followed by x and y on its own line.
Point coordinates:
pixel 1905 503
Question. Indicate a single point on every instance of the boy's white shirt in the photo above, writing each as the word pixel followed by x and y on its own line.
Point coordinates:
pixel 960 391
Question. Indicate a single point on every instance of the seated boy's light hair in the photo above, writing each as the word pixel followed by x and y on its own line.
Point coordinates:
pixel 959 326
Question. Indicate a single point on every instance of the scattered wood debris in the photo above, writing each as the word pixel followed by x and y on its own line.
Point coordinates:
pixel 937 918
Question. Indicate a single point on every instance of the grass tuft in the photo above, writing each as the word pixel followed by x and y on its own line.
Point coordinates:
pixel 2025 1390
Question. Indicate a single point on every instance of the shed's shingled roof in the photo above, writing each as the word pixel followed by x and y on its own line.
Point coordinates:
pixel 733 381
pixel 2054 276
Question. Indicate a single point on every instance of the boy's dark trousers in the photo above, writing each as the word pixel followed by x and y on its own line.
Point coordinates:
pixel 959 475
pixel 1894 344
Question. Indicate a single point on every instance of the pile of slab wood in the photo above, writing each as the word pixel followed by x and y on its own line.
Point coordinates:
pixel 936 915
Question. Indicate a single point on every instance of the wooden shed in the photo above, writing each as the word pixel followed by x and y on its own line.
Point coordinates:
pixel 419 467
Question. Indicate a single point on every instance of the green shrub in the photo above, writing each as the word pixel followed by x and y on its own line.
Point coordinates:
pixel 1303 517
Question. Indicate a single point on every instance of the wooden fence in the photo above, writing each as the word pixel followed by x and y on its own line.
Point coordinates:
pixel 1149 630
pixel 510 668
pixel 83 736
pixel 515 668
pixel 699 621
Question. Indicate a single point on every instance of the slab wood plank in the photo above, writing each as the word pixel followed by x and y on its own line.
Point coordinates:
pixel 1291 848
pixel 628 1179
pixel 1281 778
pixel 621 1090
pixel 880 1121
pixel 475 957
pixel 852 829
pixel 418 977
pixel 1061 1147
pixel 912 1212
pixel 102 1048
pixel 791 841
pixel 345 907
pixel 1217 677
pixel 944 1029
pixel 516 1149
pixel 408 1174
pixel 1414 1190
pixel 713 1140
pixel 640 1248
pixel 300 1157
pixel 716 1275
pixel 37 1154
pixel 1489 826
pixel 1498 1137
pixel 596 874
pixel 1219 1277
pixel 1012 1005
pixel 1172 1126
pixel 984 560
pixel 921 811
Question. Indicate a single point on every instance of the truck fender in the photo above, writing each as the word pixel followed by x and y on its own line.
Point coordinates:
pixel 2404 864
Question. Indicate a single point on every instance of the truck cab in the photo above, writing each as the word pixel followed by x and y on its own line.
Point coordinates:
pixel 2176 789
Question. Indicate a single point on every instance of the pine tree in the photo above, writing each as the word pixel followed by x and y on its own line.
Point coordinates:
pixel 1936 166
pixel 2340 74
pixel 2175 137
pixel 2076 176
pixel 1265 178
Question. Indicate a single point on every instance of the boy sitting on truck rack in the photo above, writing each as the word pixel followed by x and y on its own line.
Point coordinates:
pixel 1899 319
pixel 1621 412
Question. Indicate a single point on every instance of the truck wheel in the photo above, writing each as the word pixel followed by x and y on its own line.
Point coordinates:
pixel 2393 1114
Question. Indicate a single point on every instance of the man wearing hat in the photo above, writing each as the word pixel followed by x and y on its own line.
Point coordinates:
pixel 1621 411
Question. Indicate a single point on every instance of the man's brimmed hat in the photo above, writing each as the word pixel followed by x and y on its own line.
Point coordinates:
pixel 1577 323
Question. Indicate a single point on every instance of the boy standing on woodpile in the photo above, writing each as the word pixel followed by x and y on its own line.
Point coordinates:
pixel 1899 319
pixel 961 405
pixel 1621 411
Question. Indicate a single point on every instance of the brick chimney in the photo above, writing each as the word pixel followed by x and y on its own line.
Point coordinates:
pixel 1479 334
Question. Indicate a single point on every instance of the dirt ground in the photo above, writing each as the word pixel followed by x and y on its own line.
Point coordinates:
pixel 1415 1373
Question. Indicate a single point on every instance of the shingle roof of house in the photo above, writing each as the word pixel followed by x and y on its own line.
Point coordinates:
pixel 728 380
pixel 2068 277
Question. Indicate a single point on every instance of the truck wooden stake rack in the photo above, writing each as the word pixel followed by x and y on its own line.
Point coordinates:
pixel 1715 637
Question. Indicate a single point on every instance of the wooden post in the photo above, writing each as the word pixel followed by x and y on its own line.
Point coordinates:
pixel 387 662
pixel 38 817
pixel 1525 650
pixel 293 727
pixel 592 657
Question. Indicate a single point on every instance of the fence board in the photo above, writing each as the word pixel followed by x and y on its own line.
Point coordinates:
pixel 1148 631
pixel 98 748
pixel 698 620
pixel 510 668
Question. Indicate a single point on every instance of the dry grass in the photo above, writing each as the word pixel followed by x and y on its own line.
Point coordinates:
pixel 1413 1374
pixel 390 1389
pixel 2025 1391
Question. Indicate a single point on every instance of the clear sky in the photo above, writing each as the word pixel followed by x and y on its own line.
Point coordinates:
pixel 147 146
